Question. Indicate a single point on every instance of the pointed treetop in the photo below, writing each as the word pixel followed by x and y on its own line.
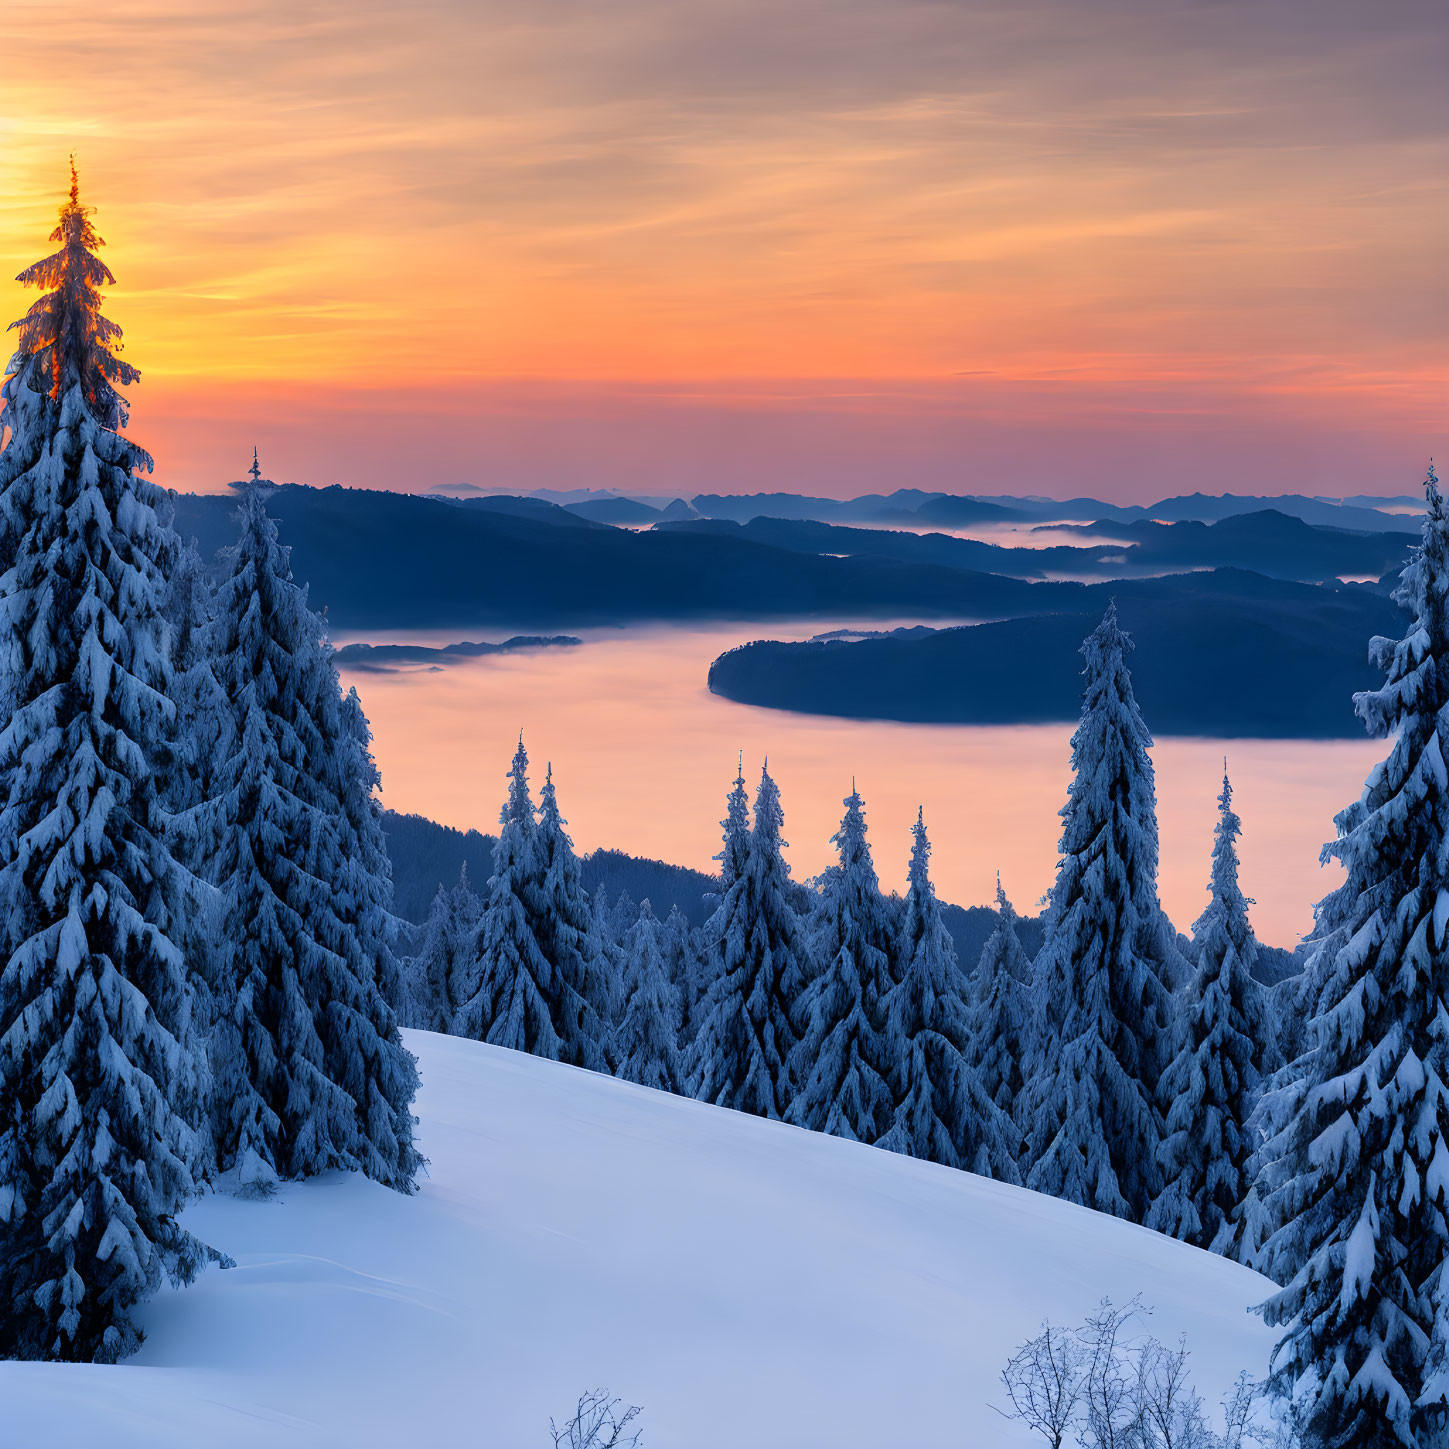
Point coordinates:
pixel 548 796
pixel 769 817
pixel 551 818
pixel 63 335
pixel 736 827
pixel 1229 827
pixel 920 871
pixel 1108 637
pixel 1004 908
pixel 519 807
pixel 1225 897
pixel 850 838
pixel 1431 492
pixel 256 468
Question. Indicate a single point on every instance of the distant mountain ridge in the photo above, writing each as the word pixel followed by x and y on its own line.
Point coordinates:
pixel 1276 544
pixel 377 560
pixel 910 505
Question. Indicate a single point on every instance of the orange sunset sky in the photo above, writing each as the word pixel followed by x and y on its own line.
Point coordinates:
pixel 1130 248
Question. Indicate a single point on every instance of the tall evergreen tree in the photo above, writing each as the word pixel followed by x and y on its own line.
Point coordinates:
pixel 943 1111
pixel 681 964
pixel 188 782
pixel 739 1057
pixel 998 1012
pixel 622 916
pixel 646 1042
pixel 736 827
pixel 839 1070
pixel 510 1003
pixel 1102 1005
pixel 310 1072
pixel 200 701
pixel 364 896
pixel 1211 1087
pixel 609 952
pixel 1359 1173
pixel 585 990
pixel 444 967
pixel 732 856
pixel 98 1083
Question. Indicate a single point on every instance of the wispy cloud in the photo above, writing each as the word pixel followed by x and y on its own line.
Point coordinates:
pixel 372 195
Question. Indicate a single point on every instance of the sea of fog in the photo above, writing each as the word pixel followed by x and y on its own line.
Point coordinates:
pixel 643 755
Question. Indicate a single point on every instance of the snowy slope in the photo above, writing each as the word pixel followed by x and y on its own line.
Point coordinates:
pixel 749 1283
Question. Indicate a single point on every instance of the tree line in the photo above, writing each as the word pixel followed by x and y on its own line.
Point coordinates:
pixel 1115 1069
pixel 1300 1130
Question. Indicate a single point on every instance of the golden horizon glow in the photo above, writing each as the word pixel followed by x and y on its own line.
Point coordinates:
pixel 1129 215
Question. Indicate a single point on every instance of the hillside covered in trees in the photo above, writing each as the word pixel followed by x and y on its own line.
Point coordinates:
pixel 1227 654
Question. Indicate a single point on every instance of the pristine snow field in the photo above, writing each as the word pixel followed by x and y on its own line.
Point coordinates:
pixel 749 1283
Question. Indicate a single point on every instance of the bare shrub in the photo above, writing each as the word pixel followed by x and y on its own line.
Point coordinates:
pixel 1109 1384
pixel 1044 1381
pixel 599 1422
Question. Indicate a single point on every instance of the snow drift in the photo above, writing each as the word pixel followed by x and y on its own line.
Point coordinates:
pixel 747 1282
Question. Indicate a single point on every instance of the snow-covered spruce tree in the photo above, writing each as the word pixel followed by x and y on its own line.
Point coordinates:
pixel 998 1010
pixel 364 899
pixel 443 974
pixel 612 920
pixel 362 1037
pixel 622 916
pixel 840 1069
pixel 584 990
pixel 98 1084
pixel 740 1056
pixel 309 1071
pixel 646 1042
pixel 1291 1001
pixel 736 826
pixel 732 856
pixel 509 1003
pixel 427 971
pixel 681 963
pixel 1211 1087
pixel 602 908
pixel 201 713
pixel 944 1112
pixel 1101 991
pixel 202 719
pixel 1359 1172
